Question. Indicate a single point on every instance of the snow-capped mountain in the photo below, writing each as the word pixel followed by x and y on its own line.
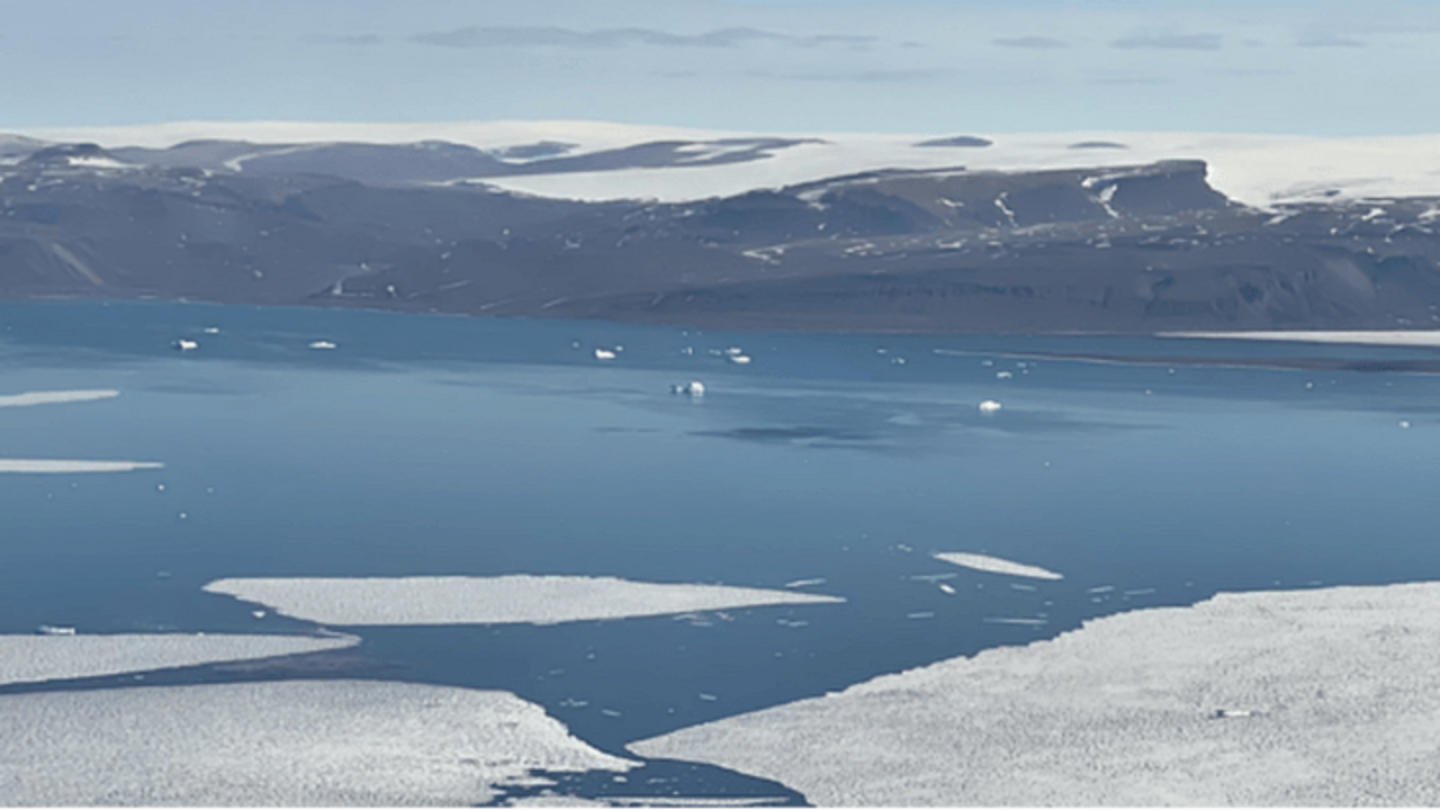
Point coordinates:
pixel 1098 232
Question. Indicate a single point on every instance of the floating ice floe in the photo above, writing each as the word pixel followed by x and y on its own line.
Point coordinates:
pixel 1003 375
pixel 1377 337
pixel 59 654
pixel 54 397
pixel 212 330
pixel 519 598
pixel 739 359
pixel 286 743
pixel 322 344
pixel 1123 711
pixel 38 465
pixel 604 354
pixel 185 345
pixel 694 388
pixel 995 565
pixel 989 406
pixel 805 583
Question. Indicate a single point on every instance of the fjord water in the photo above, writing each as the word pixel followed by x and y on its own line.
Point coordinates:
pixel 426 445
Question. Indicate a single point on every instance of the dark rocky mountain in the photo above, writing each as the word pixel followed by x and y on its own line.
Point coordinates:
pixel 1136 249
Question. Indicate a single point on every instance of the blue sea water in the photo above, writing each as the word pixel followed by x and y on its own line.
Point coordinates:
pixel 440 445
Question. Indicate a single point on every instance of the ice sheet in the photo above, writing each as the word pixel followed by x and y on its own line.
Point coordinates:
pixel 40 465
pixel 27 659
pixel 1311 698
pixel 306 743
pixel 521 598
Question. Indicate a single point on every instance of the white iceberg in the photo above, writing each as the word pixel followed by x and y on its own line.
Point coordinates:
pixel 185 345
pixel 53 397
pixel 1335 695
pixel 61 655
pixel 989 406
pixel 286 743
pixel 513 599
pixel 604 354
pixel 40 465
pixel 694 388
pixel 995 565
pixel 322 344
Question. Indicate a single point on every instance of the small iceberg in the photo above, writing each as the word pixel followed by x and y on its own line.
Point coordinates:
pixel 322 344
pixel 694 388
pixel 995 565
pixel 604 354
pixel 989 406
pixel 739 359
pixel 185 345
pixel 801 583
pixel 53 630
pixel 709 698
pixel 212 330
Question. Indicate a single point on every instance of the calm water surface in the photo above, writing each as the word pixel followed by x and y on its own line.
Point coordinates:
pixel 433 445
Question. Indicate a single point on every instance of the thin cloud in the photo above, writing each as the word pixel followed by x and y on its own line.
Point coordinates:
pixel 1178 42
pixel 1328 41
pixel 860 77
pixel 476 36
pixel 359 39
pixel 1032 43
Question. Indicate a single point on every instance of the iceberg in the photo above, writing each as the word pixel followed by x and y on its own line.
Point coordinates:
pixel 512 599
pixel 995 565
pixel 52 397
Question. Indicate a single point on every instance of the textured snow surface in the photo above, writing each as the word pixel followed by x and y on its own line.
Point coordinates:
pixel 995 565
pixel 1310 698
pixel 53 397
pixel 308 743
pixel 1257 170
pixel 42 465
pixel 522 599
pixel 26 659
pixel 1374 337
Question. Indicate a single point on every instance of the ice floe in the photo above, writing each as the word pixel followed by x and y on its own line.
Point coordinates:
pixel 990 406
pixel 995 565
pixel 322 344
pixel 59 655
pixel 604 354
pixel 53 397
pixel 40 465
pixel 185 345
pixel 694 388
pixel 1413 337
pixel 513 599
pixel 1312 698
pixel 307 743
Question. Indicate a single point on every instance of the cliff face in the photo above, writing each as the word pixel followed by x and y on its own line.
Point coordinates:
pixel 1131 249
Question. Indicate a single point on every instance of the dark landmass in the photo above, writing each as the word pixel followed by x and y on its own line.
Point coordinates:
pixel 1140 249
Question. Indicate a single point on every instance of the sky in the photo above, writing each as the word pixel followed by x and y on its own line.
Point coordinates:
pixel 1318 67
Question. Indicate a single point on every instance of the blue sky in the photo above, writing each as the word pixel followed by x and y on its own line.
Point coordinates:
pixel 922 66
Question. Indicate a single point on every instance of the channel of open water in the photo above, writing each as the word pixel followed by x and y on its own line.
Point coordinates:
pixel 427 445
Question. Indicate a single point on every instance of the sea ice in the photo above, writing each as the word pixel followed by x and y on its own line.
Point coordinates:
pixel 59 655
pixel 513 599
pixel 989 406
pixel 53 397
pixel 1335 695
pixel 286 743
pixel 995 565
pixel 37 465
pixel 322 344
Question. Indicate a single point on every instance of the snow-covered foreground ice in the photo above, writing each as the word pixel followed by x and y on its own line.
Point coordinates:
pixel 1429 338
pixel 53 397
pixel 995 565
pixel 516 599
pixel 42 465
pixel 308 743
pixel 29 659
pixel 1310 698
